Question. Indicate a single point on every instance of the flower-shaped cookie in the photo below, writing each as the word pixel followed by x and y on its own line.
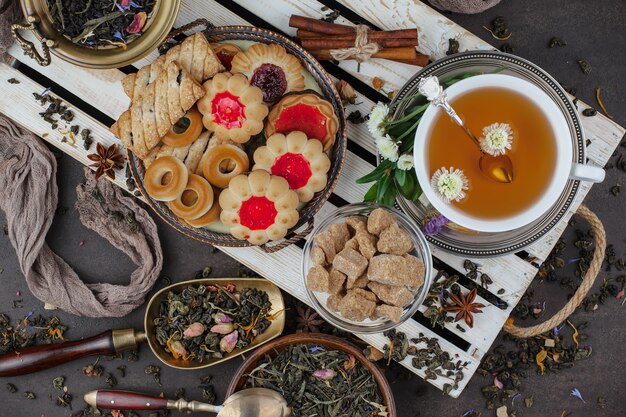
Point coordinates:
pixel 232 108
pixel 270 68
pixel 301 161
pixel 259 207
pixel 306 112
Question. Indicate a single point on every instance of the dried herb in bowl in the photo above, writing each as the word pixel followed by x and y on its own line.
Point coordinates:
pixel 100 23
pixel 204 322
pixel 319 382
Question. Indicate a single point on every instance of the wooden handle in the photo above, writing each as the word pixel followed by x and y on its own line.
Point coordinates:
pixel 37 358
pixel 124 400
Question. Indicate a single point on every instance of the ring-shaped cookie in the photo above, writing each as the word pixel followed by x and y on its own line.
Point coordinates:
pixel 185 131
pixel 166 178
pixel 266 211
pixel 232 108
pixel 301 161
pixel 271 68
pixel 305 112
pixel 210 216
pixel 214 161
pixel 195 201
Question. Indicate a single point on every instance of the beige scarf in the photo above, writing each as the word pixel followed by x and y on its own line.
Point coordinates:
pixel 29 198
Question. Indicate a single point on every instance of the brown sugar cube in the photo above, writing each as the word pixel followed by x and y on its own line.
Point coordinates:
pixel 355 307
pixel 389 269
pixel 379 220
pixel 340 234
pixel 367 243
pixel 326 242
pixel 317 256
pixel 360 282
pixel 397 296
pixel 395 240
pixel 385 311
pixel 336 281
pixel 352 243
pixel 357 223
pixel 414 271
pixel 334 301
pixel 318 279
pixel 365 294
pixel 350 262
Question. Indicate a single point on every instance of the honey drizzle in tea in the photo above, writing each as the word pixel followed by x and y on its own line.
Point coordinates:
pixel 533 151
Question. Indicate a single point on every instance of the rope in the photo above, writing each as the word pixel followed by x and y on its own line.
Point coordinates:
pixel 362 49
pixel 581 293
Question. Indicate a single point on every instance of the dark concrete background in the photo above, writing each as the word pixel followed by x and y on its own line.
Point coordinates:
pixel 594 30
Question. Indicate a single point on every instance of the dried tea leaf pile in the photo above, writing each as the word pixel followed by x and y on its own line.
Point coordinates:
pixel 204 322
pixel 96 23
pixel 320 382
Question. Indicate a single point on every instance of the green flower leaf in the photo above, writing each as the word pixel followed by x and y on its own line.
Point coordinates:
pixel 370 195
pixel 400 175
pixel 383 186
pixel 377 173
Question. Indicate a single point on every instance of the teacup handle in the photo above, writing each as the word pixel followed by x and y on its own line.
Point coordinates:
pixel 589 173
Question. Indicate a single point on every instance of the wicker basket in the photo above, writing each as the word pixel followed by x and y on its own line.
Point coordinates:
pixel 337 153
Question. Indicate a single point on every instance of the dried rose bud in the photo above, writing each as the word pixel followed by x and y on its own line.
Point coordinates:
pixel 139 21
pixel 223 328
pixel 346 92
pixel 194 329
pixel 324 374
pixel 228 342
pixel 178 348
pixel 221 318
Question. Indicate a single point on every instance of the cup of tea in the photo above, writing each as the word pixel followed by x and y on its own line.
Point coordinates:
pixel 541 152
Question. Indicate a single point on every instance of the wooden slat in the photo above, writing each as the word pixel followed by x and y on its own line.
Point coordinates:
pixel 18 103
pixel 101 89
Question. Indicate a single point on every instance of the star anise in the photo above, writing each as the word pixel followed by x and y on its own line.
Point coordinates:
pixel 106 160
pixel 308 321
pixel 465 307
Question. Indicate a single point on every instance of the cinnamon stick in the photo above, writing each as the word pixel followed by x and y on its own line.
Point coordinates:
pixel 319 26
pixel 405 55
pixel 333 43
pixel 373 35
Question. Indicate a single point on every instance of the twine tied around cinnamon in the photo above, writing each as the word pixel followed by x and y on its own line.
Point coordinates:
pixel 362 49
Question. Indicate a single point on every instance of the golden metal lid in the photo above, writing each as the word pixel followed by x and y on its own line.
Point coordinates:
pixel 156 30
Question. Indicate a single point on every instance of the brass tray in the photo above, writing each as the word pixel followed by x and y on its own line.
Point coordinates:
pixel 274 330
pixel 39 21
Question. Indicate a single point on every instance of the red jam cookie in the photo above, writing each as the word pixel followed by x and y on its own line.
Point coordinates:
pixel 270 68
pixel 307 113
pixel 259 207
pixel 232 108
pixel 302 162
pixel 225 53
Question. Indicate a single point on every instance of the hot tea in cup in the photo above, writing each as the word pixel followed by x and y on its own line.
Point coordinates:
pixel 539 147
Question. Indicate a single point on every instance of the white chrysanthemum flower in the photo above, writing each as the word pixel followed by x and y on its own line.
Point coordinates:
pixel 387 148
pixel 496 139
pixel 375 122
pixel 405 162
pixel 450 184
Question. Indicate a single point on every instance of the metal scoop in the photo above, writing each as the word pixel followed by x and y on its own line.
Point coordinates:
pixel 498 168
pixel 252 402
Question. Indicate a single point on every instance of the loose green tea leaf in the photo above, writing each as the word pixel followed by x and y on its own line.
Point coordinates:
pixel 58 382
pixel 11 388
pixel 203 322
pixel 556 42
pixel 305 374
pixel 585 66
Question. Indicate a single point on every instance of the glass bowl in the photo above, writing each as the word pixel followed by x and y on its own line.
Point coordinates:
pixel 420 250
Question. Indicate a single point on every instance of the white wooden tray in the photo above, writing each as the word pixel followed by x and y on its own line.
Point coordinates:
pixel 102 90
